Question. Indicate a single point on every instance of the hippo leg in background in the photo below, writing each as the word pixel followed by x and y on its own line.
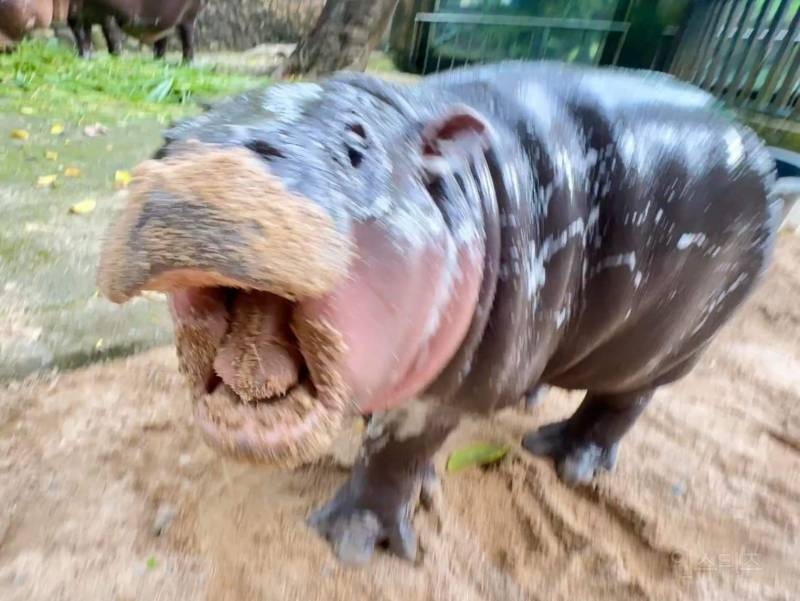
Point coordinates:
pixel 160 47
pixel 377 503
pixel 112 35
pixel 186 31
pixel 83 35
pixel 589 439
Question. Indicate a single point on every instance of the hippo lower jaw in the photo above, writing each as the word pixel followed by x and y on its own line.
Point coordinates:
pixel 284 421
pixel 263 367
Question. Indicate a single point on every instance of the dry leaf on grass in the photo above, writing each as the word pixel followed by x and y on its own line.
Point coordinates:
pixel 46 181
pixel 85 206
pixel 122 178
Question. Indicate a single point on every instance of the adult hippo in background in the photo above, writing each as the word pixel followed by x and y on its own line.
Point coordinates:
pixel 150 21
pixel 19 17
pixel 415 253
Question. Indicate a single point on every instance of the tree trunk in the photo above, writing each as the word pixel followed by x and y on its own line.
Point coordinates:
pixel 402 34
pixel 345 34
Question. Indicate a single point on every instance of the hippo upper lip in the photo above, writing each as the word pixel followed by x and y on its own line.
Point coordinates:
pixel 255 235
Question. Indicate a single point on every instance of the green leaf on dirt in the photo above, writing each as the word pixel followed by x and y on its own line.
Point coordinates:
pixel 152 562
pixel 480 453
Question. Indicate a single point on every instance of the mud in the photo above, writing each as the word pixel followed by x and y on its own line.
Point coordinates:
pixel 703 505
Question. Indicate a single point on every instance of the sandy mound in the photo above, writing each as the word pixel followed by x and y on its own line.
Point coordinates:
pixel 108 493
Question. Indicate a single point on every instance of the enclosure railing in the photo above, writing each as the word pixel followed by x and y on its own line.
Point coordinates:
pixel 446 40
pixel 746 52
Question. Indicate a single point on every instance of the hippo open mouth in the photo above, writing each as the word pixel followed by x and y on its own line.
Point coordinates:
pixel 264 378
pixel 261 358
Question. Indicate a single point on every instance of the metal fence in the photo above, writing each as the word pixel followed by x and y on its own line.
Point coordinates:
pixel 446 40
pixel 746 52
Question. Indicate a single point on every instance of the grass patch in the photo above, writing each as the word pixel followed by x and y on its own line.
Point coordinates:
pixel 45 78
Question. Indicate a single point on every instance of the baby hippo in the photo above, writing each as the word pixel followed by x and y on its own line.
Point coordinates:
pixel 414 253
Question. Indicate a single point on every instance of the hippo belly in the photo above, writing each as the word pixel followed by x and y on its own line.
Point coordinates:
pixel 414 253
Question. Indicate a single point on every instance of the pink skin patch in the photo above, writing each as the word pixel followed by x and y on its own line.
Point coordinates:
pixel 383 311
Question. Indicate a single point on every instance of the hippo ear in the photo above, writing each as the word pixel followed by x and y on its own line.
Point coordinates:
pixel 452 138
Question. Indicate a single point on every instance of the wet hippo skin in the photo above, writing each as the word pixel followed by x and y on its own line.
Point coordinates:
pixel 490 231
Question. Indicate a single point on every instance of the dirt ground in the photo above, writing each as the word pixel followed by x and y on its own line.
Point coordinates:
pixel 705 502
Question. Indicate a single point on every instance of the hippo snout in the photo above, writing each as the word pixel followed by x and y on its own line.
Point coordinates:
pixel 212 216
pixel 239 258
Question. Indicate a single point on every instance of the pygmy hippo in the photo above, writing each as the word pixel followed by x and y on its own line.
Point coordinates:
pixel 18 17
pixel 417 252
pixel 147 20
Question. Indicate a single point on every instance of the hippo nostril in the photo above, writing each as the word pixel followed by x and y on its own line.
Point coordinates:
pixel 264 149
pixel 355 156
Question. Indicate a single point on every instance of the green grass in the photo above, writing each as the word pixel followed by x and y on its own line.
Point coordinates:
pixel 50 80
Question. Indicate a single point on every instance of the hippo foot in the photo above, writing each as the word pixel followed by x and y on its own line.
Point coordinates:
pixel 577 461
pixel 534 398
pixel 360 518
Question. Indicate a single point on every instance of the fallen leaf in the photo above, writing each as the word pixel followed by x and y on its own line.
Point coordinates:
pixel 51 155
pixel 85 206
pixel 57 129
pixel 92 131
pixel 72 172
pixel 20 134
pixel 45 181
pixel 122 178
pixel 27 110
pixel 32 226
pixel 481 453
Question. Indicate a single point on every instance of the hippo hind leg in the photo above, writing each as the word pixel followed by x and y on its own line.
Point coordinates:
pixel 112 35
pixel 393 471
pixel 589 439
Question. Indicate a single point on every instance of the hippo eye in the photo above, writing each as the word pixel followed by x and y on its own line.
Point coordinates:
pixel 356 143
pixel 264 149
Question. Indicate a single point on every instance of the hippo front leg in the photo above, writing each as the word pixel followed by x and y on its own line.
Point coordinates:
pixel 377 503
pixel 589 439
pixel 83 35
pixel 534 397
pixel 160 48
pixel 186 32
